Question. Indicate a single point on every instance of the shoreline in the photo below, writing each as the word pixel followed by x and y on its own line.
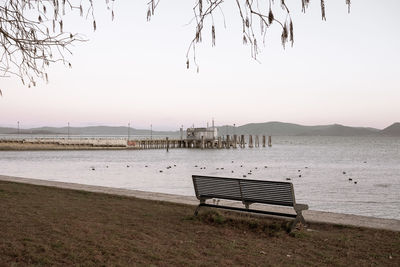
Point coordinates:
pixel 309 215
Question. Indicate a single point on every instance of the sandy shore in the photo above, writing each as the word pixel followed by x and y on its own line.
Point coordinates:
pixel 310 215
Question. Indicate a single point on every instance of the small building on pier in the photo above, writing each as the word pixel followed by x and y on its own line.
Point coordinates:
pixel 197 134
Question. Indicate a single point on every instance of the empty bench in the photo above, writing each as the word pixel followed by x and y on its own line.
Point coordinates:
pixel 248 192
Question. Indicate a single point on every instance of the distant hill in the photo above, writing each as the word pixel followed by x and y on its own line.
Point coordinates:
pixel 267 128
pixel 392 130
pixel 340 130
pixel 290 129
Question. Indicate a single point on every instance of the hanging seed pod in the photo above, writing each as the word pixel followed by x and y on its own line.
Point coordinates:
pixel 270 17
pixel 213 35
pixel 61 26
pixel 244 40
pixel 291 32
pixel 94 25
pixel 284 35
pixel 148 14
pixel 81 10
pixel 112 15
pixel 247 22
pixel 348 3
pixel 201 7
pixel 323 9
pixel 187 63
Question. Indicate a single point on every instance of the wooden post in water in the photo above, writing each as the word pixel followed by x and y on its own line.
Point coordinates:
pixel 250 141
pixel 167 144
pixel 269 141
pixel 242 143
pixel 219 142
pixel 228 140
pixel 257 141
pixel 263 141
pixel 234 141
pixel 202 142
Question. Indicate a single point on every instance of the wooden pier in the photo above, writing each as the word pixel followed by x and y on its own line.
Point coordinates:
pixel 219 143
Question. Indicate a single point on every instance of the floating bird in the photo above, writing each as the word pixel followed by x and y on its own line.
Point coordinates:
pixel 217 168
pixel 306 167
pixel 265 166
pixel 249 173
pixel 241 166
pixel 355 182
pixel 300 175
pixel 174 165
pixel 107 166
pixel 145 166
pixel 232 171
pixel 344 172
pixel 288 179
pixel 232 161
pixel 244 176
pixel 93 168
pixel 222 168
pixel 127 166
pixel 256 168
pixel 350 179
pixel 161 171
pixel 195 166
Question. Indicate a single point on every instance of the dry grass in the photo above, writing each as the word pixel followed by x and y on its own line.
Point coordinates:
pixel 50 226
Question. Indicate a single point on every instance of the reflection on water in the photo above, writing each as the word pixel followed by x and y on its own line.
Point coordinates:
pixel 338 174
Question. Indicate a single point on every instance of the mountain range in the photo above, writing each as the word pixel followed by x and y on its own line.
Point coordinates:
pixel 266 128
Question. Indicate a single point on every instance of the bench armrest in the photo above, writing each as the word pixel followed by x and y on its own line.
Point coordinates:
pixel 299 207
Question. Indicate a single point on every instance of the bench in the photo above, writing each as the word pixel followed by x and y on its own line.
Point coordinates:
pixel 248 192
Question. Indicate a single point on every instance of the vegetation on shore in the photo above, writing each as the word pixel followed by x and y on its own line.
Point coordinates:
pixel 51 226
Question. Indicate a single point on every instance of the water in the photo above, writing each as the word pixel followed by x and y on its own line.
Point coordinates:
pixel 374 162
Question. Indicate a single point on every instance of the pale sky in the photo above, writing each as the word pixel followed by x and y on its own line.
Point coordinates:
pixel 345 70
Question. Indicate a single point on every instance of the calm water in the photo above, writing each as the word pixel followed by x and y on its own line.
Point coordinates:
pixel 374 162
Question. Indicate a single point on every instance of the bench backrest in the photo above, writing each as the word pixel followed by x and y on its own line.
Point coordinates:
pixel 247 191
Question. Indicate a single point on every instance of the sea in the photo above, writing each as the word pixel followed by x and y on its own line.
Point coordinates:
pixel 352 175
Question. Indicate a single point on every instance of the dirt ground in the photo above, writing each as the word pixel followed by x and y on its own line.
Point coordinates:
pixel 51 226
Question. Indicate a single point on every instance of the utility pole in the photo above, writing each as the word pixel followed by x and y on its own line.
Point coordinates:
pixel 182 132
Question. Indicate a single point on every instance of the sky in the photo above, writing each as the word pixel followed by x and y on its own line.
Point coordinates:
pixel 343 70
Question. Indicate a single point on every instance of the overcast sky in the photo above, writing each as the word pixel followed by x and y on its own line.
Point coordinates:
pixel 345 70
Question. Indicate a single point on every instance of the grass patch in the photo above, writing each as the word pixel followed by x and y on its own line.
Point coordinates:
pixel 50 226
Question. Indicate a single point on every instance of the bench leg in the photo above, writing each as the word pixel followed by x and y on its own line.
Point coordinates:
pixel 197 210
pixel 299 218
